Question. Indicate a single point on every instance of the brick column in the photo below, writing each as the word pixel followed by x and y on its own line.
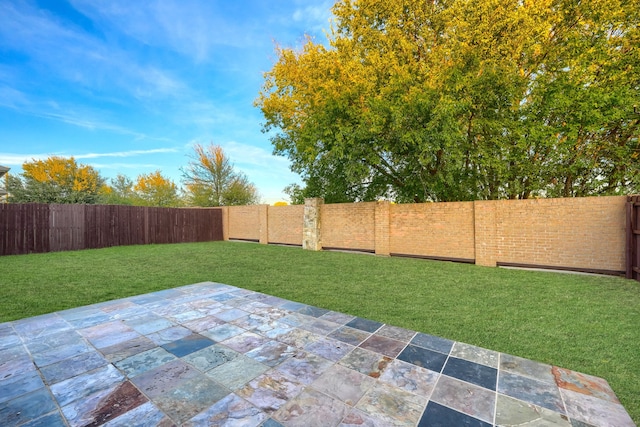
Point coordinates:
pixel 311 224
pixel 382 218
pixel 264 224
pixel 485 232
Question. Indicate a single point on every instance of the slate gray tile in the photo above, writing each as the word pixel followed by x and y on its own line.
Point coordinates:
pixel 168 335
pixel 511 412
pixel 270 391
pixel 391 404
pixel 104 405
pixel 409 377
pixel 343 383
pixel 329 348
pixel 126 349
pixel 299 338
pixel 312 311
pixel 349 335
pixel 159 380
pixel 208 358
pixel 311 409
pixel 238 372
pixel 366 325
pixel 72 366
pixel 464 397
pixel 304 367
pixel 145 415
pixel 436 415
pixel 528 368
pixel 145 361
pixel 539 393
pixel 423 357
pixel 592 410
pixel 475 354
pixel 27 407
pixel 149 323
pixel 20 384
pixel 272 353
pixel 188 345
pixel 431 342
pixel 398 334
pixel 366 362
pixel 357 418
pixel 383 345
pixel 245 342
pixel 223 332
pixel 471 372
pixel 53 419
pixel 190 398
pixel 231 411
pixel 81 386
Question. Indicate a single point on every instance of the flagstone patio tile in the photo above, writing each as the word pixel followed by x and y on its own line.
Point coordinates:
pixel 311 409
pixel 366 362
pixel 187 345
pixel 409 377
pixel 27 407
pixel 320 327
pixel 105 405
pixel 357 418
pixel 440 416
pixel 530 390
pixel 343 383
pixel 423 357
pixel 349 335
pixel 329 348
pixel 168 335
pixel 396 406
pixel 231 315
pixel 237 372
pixel 230 411
pixel 145 415
pixel 210 357
pixel 475 354
pixel 528 368
pixel 20 384
pixel 159 380
pixel 584 384
pixel 312 311
pixel 383 345
pixel 304 367
pixel 398 334
pixel 190 398
pixel 471 372
pixel 149 323
pixel 245 342
pixel 81 386
pixel 223 332
pixel 592 410
pixel 73 366
pixel 292 305
pixel 145 361
pixel 126 349
pixel 251 322
pixel 366 325
pixel 53 419
pixel 464 397
pixel 432 342
pixel 270 391
pixel 299 338
pixel 34 328
pixel 512 412
pixel 334 316
pixel 272 353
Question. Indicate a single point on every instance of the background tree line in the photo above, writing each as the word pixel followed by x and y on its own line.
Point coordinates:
pixel 209 179
pixel 460 100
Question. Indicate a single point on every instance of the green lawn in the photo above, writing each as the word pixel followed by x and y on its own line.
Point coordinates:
pixel 585 323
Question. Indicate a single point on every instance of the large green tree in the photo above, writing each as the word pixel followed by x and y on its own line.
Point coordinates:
pixel 55 180
pixel 459 100
pixel 211 180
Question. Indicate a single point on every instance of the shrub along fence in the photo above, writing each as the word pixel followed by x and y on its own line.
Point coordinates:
pixel 581 234
pixel 27 228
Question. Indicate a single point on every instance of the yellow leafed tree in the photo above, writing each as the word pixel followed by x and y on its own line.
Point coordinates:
pixel 56 180
pixel 154 189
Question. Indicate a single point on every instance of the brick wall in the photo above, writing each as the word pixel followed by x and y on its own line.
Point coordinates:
pixel 439 230
pixel 348 226
pixel 573 233
pixel 285 224
pixel 244 222
pixel 583 233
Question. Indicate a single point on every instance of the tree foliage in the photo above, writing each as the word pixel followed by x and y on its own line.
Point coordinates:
pixel 55 180
pixel 153 189
pixel 460 100
pixel 120 192
pixel 211 180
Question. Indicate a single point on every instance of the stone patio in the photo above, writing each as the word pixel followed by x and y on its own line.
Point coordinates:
pixel 215 355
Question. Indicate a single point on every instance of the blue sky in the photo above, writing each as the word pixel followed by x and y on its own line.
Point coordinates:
pixel 129 86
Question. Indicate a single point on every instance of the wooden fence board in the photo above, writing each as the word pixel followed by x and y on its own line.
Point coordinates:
pixel 27 228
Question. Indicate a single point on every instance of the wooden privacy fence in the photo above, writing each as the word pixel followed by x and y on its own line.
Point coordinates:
pixel 633 237
pixel 28 228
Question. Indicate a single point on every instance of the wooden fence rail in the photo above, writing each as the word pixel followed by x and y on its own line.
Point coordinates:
pixel 29 228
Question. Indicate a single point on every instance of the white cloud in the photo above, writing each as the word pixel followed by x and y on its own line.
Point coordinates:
pixel 19 159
